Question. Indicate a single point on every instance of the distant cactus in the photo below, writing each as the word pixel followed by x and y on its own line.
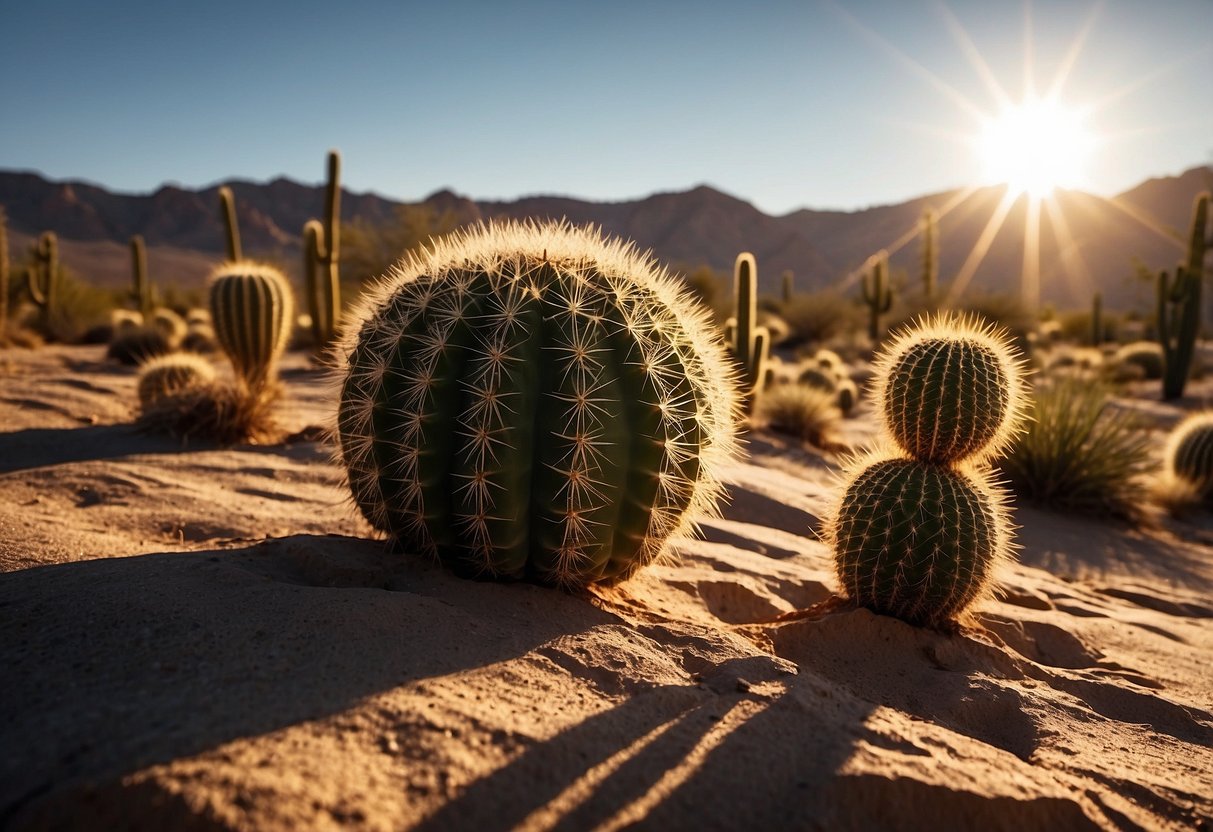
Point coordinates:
pixel 1097 331
pixel 1144 354
pixel 750 342
pixel 877 294
pixel 231 230
pixel 847 396
pixel 1178 308
pixel 170 323
pixel 252 309
pixel 789 288
pixel 552 404
pixel 43 279
pixel 930 253
pixel 821 378
pixel 170 374
pixel 917 537
pixel 831 362
pixel 321 249
pixel 141 288
pixel 1189 453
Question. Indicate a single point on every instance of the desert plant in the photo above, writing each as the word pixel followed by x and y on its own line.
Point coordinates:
pixel 43 280
pixel 252 309
pixel 200 339
pixel 877 294
pixel 788 283
pixel 214 412
pixel 1077 453
pixel 749 341
pixel 808 413
pixel 1097 331
pixel 136 344
pixel 168 375
pixel 553 404
pixel 1178 309
pixel 321 249
pixel 846 396
pixel 231 230
pixel 170 323
pixel 921 521
pixel 1144 354
pixel 820 378
pixel 141 287
pixel 1189 454
pixel 122 320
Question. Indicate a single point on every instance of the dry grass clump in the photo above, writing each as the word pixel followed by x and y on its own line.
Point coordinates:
pixel 218 412
pixel 808 413
pixel 1077 454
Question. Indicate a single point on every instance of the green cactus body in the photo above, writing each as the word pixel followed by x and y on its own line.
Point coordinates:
pixel 42 280
pixel 533 402
pixel 168 374
pixel 750 342
pixel 321 249
pixel 949 392
pixel 921 522
pixel 141 287
pixel 231 230
pixel 1189 452
pixel 170 323
pixel 877 294
pixel 1178 315
pixel 252 309
pixel 916 540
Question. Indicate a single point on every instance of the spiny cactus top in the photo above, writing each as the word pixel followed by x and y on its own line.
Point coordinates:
pixel 951 389
pixel 533 401
pixel 252 309
pixel 1189 452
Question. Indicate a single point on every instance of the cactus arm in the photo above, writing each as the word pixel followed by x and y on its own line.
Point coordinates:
pixel 745 303
pixel 142 289
pixel 227 208
pixel 42 279
pixel 321 247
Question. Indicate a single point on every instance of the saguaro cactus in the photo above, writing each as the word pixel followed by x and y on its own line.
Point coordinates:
pixel 321 249
pixel 141 287
pixel 252 309
pixel 42 279
pixel 532 401
pixel 231 230
pixel 930 253
pixel 750 342
pixel 789 287
pixel 921 521
pixel 877 294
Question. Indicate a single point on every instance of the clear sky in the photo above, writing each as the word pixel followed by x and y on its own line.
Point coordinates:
pixel 787 104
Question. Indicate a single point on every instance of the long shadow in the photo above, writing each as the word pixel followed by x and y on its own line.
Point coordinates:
pixel 41 447
pixel 114 665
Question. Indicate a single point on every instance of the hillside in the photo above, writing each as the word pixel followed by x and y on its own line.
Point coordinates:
pixel 1092 245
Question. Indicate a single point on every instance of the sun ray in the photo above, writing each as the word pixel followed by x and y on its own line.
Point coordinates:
pixel 1140 81
pixel 1030 273
pixel 1076 47
pixel 1078 274
pixel 1149 222
pixel 980 248
pixel 1029 70
pixel 971 53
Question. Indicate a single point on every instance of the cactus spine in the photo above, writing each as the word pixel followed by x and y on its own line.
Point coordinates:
pixel 252 309
pixel 750 342
pixel 789 287
pixel 141 287
pixel 930 254
pixel 42 279
pixel 321 248
pixel 921 521
pixel 877 294
pixel 533 401
pixel 1097 333
pixel 227 213
pixel 3 276
pixel 1178 309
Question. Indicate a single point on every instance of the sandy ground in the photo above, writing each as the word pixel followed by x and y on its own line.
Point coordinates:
pixel 199 638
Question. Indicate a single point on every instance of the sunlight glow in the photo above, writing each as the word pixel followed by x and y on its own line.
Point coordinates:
pixel 1036 146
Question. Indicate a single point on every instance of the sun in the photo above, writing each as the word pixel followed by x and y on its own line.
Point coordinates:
pixel 1036 146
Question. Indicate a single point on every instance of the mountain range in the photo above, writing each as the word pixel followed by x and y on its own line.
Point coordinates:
pixel 1086 243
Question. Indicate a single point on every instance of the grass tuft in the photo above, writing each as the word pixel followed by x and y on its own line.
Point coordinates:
pixel 808 413
pixel 215 412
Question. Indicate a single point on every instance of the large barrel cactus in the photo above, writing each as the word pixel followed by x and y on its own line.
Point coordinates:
pixel 252 309
pixel 921 521
pixel 532 401
pixel 1189 453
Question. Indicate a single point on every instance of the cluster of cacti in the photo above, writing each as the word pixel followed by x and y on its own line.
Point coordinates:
pixel 251 309
pixel 930 254
pixel 877 294
pixel 321 249
pixel 141 289
pixel 922 521
pixel 533 401
pixel 749 342
pixel 1189 453
pixel 1178 309
pixel 43 278
pixel 168 375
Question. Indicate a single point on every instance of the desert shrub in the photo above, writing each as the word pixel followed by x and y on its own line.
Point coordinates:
pixel 814 317
pixel 215 412
pixel 807 413
pixel 1078 454
pixel 138 344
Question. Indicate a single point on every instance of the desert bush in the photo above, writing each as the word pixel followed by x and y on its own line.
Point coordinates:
pixel 808 413
pixel 1078 454
pixel 215 412
pixel 138 344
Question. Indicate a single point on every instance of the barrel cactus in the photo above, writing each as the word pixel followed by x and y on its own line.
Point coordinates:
pixel 1189 453
pixel 252 309
pixel 921 521
pixel 533 401
pixel 168 374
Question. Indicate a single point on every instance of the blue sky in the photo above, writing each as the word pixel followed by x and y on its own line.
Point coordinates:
pixel 787 104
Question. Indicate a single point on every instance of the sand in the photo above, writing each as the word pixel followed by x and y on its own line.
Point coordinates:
pixel 204 638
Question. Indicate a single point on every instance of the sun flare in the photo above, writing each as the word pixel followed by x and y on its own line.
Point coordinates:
pixel 1036 146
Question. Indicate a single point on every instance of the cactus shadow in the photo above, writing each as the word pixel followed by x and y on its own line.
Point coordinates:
pixel 112 665
pixel 23 450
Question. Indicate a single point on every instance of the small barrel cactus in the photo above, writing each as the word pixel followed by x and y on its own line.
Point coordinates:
pixel 949 390
pixel 168 374
pixel 921 521
pixel 252 309
pixel 1189 453
pixel 847 396
pixel 532 401
pixel 1147 355
pixel 170 323
pixel 822 379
